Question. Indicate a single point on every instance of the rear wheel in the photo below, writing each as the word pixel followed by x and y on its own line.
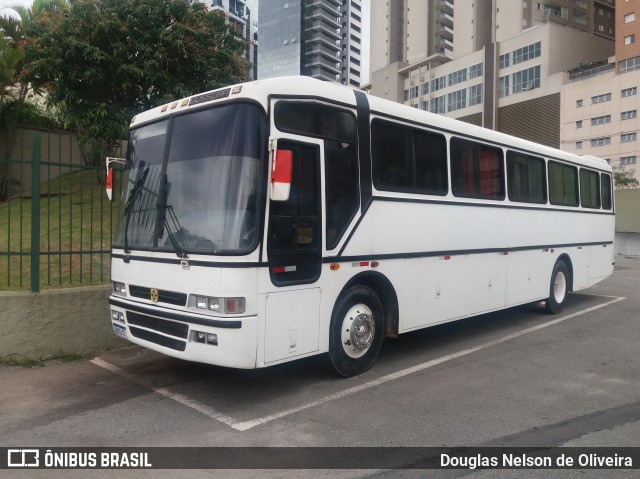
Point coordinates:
pixel 356 331
pixel 558 288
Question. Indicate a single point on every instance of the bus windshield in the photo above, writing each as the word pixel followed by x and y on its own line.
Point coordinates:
pixel 192 182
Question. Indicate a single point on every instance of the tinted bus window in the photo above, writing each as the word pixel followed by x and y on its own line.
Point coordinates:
pixel 589 188
pixel 606 191
pixel 526 178
pixel 407 158
pixel 316 119
pixel 563 184
pixel 477 170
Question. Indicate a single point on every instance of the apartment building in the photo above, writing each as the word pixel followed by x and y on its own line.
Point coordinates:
pixel 600 102
pixel 317 38
pixel 507 68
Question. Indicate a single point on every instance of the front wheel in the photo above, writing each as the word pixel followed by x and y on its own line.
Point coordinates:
pixel 558 288
pixel 356 331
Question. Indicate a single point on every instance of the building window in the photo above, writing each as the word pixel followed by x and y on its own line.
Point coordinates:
pixel 475 71
pixel 627 137
pixel 629 39
pixel 438 83
pixel 526 79
pixel 527 53
pixel 628 115
pixel 628 160
pixel 457 77
pixel 600 98
pixel 457 100
pixel 504 60
pixel 437 104
pixel 601 141
pixel 630 65
pixel 475 94
pixel 578 103
pixel 600 120
pixel 578 145
pixel 579 124
pixel 629 17
pixel 424 105
pixel 424 88
pixel 406 95
pixel 629 92
pixel 503 87
pixel 413 92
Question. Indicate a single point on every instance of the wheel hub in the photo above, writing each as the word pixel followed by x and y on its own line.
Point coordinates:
pixel 358 331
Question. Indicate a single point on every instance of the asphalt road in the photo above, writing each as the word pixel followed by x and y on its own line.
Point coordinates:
pixel 514 378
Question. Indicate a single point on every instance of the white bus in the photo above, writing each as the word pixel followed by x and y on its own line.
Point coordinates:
pixel 284 218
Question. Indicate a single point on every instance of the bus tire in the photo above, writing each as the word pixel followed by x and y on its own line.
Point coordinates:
pixel 356 331
pixel 558 288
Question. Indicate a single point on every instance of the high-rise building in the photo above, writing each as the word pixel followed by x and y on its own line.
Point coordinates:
pixel 507 64
pixel 317 38
pixel 599 114
pixel 243 15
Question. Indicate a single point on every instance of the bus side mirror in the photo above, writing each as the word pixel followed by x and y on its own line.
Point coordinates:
pixel 109 177
pixel 281 175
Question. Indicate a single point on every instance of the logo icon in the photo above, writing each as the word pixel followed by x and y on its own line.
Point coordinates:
pixel 23 458
pixel 154 295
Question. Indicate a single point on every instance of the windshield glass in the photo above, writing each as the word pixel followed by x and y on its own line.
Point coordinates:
pixel 202 183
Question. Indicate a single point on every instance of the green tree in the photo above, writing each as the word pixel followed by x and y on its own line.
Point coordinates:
pixel 623 178
pixel 103 61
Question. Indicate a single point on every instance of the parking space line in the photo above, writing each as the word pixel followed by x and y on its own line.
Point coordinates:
pixel 180 398
pixel 246 425
pixel 243 426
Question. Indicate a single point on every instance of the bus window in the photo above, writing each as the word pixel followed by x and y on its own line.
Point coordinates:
pixel 431 162
pixel 317 120
pixel 391 151
pixel 476 170
pixel 526 178
pixel 408 159
pixel 563 184
pixel 341 188
pixel 589 188
pixel 606 191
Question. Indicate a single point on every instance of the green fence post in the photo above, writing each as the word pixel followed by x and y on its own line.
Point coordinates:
pixel 35 213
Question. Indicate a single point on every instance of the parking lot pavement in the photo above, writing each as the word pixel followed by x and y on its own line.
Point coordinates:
pixel 513 378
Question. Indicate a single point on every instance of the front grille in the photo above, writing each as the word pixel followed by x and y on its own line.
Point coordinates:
pixel 158 339
pixel 169 297
pixel 172 328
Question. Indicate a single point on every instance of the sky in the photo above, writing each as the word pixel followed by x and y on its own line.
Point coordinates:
pixel 9 3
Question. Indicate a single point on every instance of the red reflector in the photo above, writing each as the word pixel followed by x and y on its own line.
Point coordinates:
pixel 505 253
pixel 447 258
pixel 364 263
pixel 278 269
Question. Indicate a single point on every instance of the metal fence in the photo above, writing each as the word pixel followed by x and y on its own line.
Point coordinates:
pixel 56 223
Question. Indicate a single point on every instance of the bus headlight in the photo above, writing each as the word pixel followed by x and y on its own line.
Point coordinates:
pixel 219 305
pixel 119 288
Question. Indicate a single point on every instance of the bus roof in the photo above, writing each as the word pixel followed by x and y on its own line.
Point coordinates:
pixel 307 87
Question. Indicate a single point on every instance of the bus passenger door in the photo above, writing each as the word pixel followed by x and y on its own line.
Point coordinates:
pixel 294 249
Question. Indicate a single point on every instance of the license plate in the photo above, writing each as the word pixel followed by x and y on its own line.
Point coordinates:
pixel 119 330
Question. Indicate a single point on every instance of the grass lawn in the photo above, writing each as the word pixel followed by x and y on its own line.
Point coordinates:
pixel 76 220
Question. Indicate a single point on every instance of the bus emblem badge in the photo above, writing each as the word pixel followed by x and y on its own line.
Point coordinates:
pixel 154 295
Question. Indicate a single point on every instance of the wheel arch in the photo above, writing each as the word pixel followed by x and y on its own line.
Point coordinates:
pixel 564 257
pixel 385 291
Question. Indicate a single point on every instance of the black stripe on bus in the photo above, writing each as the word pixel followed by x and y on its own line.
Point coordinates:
pixel 128 258
pixel 430 254
pixel 364 149
pixel 166 314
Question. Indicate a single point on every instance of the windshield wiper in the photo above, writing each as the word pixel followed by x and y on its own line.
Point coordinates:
pixel 129 204
pixel 163 223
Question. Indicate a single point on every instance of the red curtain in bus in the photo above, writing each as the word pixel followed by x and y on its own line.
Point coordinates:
pixel 488 173
pixel 468 170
